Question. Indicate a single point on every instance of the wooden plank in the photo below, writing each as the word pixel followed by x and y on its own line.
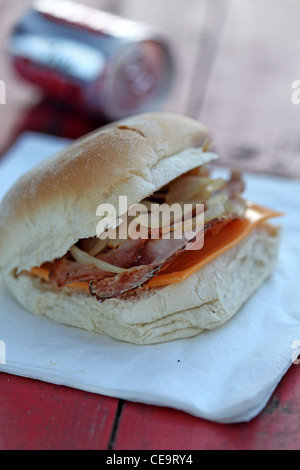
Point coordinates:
pixel 39 416
pixel 248 103
pixel 276 428
pixel 208 43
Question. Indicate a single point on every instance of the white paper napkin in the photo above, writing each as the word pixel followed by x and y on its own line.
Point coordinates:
pixel 226 375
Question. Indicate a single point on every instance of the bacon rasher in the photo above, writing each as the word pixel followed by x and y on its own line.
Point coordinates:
pixel 142 259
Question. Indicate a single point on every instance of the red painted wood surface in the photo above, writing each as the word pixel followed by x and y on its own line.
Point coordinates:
pixel 276 428
pixel 236 62
pixel 39 416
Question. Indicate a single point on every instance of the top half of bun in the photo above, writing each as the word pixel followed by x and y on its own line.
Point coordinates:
pixel 54 205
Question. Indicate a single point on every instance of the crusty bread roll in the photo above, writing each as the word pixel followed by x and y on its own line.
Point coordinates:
pixel 52 207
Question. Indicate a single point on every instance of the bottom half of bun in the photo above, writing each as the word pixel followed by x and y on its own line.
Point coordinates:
pixel 204 301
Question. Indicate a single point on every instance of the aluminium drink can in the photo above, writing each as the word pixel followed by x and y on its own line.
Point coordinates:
pixel 92 59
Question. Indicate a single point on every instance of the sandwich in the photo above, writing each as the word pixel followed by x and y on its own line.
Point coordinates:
pixel 63 255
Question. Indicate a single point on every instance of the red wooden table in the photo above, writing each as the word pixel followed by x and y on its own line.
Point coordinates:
pixel 236 61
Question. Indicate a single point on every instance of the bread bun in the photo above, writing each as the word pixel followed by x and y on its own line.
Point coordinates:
pixel 53 206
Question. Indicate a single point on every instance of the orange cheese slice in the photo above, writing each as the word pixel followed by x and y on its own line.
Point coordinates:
pixel 44 271
pixel 190 261
pixel 232 234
